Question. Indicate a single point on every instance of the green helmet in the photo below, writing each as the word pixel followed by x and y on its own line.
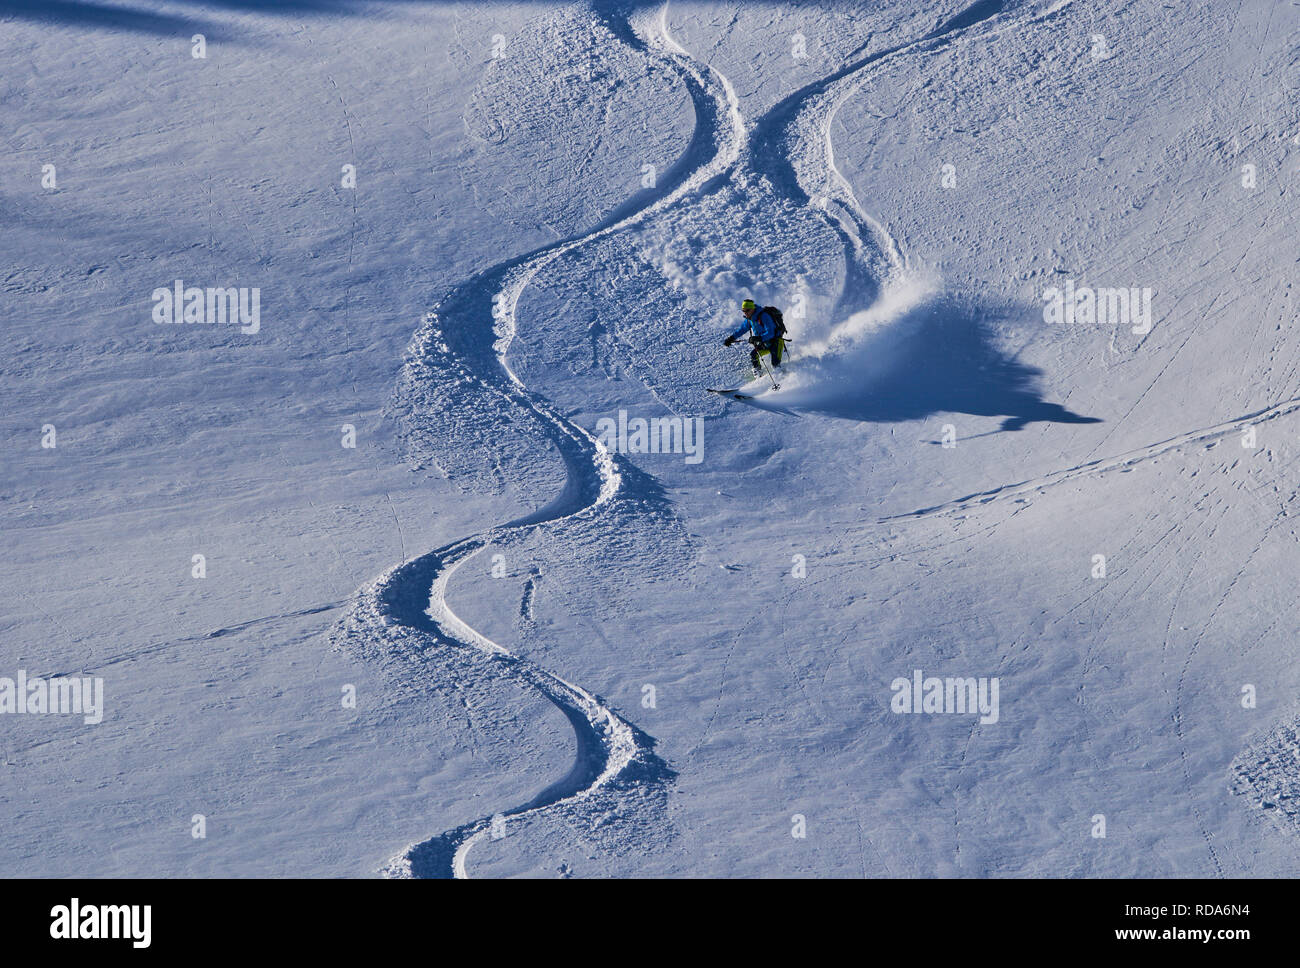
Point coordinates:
pixel 747 305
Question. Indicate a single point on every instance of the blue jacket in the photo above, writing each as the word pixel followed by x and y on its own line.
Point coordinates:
pixel 762 326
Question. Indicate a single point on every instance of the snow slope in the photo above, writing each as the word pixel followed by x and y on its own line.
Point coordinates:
pixel 571 661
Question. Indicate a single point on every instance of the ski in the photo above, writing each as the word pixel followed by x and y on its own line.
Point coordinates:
pixel 733 394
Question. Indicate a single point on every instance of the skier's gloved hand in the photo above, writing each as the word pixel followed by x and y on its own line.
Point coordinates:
pixel 728 341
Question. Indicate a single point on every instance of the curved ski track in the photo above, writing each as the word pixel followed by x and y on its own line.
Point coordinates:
pixel 406 608
pixel 609 747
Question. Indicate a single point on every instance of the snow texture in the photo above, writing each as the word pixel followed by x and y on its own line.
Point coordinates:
pixel 573 657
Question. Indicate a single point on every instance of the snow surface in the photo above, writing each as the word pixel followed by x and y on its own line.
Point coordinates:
pixel 570 661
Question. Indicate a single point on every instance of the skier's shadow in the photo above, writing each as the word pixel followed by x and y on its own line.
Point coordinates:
pixel 945 363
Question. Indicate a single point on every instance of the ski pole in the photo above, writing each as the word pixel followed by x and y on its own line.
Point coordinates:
pixel 775 385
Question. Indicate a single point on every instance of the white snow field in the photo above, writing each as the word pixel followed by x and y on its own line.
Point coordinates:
pixel 446 623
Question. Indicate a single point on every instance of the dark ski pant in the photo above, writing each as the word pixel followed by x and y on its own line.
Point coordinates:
pixel 774 348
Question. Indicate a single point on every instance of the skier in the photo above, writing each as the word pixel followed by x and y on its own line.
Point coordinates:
pixel 765 328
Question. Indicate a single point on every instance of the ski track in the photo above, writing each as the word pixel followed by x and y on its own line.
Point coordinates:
pixel 792 145
pixel 1099 466
pixel 608 746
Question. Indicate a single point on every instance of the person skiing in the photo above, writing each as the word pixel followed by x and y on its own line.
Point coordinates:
pixel 765 328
